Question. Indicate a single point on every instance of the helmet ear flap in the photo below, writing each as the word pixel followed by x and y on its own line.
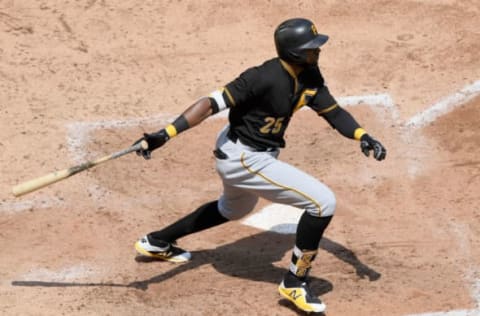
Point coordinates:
pixel 297 56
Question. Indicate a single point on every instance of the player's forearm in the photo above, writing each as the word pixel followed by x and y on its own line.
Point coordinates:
pixel 345 123
pixel 192 116
pixel 198 112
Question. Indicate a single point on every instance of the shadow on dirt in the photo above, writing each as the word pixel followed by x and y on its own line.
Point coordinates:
pixel 249 258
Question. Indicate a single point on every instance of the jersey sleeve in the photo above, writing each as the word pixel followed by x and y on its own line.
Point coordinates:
pixel 323 101
pixel 326 106
pixel 245 87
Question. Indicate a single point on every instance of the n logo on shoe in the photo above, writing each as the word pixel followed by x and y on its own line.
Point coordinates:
pixel 293 294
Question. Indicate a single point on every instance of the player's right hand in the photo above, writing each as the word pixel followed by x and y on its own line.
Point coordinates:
pixel 154 140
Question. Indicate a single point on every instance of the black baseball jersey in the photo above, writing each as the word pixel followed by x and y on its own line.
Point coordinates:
pixel 263 99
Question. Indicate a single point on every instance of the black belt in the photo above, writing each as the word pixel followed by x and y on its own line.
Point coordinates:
pixel 235 139
pixel 220 154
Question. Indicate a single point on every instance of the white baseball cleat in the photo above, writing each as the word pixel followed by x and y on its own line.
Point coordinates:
pixel 167 251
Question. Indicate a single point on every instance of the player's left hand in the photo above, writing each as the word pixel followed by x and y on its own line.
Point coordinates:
pixel 367 144
pixel 154 140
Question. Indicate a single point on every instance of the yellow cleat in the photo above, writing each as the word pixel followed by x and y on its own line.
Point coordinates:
pixel 300 295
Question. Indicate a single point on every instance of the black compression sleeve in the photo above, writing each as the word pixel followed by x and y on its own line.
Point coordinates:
pixel 180 124
pixel 342 121
pixel 206 216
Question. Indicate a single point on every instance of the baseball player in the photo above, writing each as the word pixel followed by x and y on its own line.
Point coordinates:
pixel 262 101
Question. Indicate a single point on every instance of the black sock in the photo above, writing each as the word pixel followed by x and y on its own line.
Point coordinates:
pixel 310 230
pixel 309 233
pixel 206 216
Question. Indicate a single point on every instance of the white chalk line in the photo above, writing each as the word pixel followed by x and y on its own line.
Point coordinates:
pixel 462 232
pixel 67 274
pixel 422 119
pixel 445 105
pixel 39 202
pixel 78 133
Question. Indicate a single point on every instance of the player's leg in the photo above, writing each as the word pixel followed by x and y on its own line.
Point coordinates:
pixel 161 244
pixel 233 204
pixel 294 285
pixel 280 182
pixel 204 217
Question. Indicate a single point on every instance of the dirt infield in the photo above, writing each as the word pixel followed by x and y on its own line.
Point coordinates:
pixel 82 79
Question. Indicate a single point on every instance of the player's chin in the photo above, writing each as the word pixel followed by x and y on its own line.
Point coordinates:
pixel 313 61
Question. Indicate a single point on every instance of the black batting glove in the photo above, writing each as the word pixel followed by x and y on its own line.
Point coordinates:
pixel 154 140
pixel 367 144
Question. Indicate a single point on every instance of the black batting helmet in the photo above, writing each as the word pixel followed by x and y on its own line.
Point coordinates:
pixel 294 36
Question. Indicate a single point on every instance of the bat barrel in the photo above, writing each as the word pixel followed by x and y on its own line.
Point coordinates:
pixel 38 183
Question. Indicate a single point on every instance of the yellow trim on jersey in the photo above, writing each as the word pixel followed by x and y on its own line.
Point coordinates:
pixel 302 101
pixel 330 108
pixel 229 95
pixel 171 130
pixel 359 132
pixel 290 70
pixel 258 173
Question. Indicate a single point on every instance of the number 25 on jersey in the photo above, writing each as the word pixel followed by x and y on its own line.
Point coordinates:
pixel 272 125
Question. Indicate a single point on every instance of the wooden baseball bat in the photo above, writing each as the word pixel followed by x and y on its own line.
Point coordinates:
pixel 40 182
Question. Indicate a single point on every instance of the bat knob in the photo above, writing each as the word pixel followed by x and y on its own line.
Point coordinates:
pixel 144 144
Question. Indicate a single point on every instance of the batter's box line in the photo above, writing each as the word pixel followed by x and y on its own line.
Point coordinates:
pixel 78 133
pixel 444 106
pixel 463 235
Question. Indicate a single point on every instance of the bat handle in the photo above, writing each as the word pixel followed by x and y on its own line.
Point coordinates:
pixel 143 145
